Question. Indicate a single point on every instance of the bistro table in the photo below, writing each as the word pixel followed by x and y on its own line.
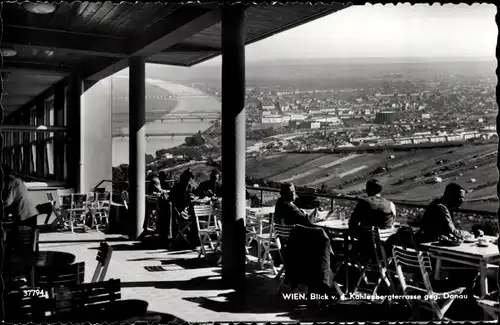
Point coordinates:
pixel 468 254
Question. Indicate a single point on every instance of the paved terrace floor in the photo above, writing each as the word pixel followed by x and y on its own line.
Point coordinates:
pixel 183 288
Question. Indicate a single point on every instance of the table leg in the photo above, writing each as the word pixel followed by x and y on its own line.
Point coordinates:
pixel 346 261
pixel 483 268
pixel 437 271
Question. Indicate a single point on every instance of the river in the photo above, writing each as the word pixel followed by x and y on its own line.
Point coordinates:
pixel 188 100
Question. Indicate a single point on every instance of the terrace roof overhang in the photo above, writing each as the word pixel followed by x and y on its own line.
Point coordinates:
pixel 96 39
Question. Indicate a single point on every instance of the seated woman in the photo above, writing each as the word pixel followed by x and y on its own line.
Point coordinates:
pixel 286 212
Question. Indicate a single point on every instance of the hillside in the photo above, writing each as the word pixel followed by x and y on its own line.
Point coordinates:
pixel 408 176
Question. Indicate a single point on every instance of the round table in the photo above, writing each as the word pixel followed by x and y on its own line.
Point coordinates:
pixel 54 259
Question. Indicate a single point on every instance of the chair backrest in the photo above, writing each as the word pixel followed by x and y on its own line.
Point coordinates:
pixel 283 231
pixel 103 196
pixel 204 213
pixel 415 265
pixel 408 236
pixel 72 298
pixel 66 275
pixel 79 200
pixel 369 240
pixel 103 200
pixel 103 258
pixel 64 197
pixel 24 240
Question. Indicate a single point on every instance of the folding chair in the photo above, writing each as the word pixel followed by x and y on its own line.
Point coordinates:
pixel 416 266
pixel 102 204
pixel 206 227
pixel 183 226
pixel 103 258
pixel 78 210
pixel 268 243
pixel 372 260
pixel 490 305
pixel 22 248
pixel 282 234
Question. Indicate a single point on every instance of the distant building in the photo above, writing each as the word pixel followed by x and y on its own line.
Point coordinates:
pixel 386 117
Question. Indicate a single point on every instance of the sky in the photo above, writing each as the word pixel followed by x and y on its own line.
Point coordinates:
pixel 386 31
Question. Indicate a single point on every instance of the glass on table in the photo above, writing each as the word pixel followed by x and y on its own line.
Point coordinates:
pixel 342 217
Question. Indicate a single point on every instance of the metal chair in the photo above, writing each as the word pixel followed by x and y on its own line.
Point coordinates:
pixel 372 259
pixel 103 258
pixel 206 225
pixel 416 266
pixel 78 210
pixel 283 232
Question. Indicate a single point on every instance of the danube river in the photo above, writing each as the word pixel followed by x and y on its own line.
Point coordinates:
pixel 188 100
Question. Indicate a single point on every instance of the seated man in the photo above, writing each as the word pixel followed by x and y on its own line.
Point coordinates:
pixel 373 211
pixel 438 216
pixel 155 188
pixel 164 180
pixel 211 187
pixel 16 201
pixel 286 212
pixel 181 193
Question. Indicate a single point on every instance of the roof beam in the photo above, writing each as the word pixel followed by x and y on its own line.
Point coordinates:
pixel 63 41
pixel 34 68
pixel 173 29
pixel 190 48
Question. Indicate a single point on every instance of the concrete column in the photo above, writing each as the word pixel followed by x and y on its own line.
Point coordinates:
pixel 498 193
pixel 40 144
pixel 233 146
pixel 74 156
pixel 25 120
pixel 137 144
pixel 59 98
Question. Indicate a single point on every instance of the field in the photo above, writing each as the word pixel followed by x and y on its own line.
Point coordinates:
pixel 406 176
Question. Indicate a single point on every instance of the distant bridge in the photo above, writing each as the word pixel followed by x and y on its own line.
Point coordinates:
pixel 177 116
pixel 164 134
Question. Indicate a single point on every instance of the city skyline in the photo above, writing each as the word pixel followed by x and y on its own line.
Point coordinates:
pixel 386 31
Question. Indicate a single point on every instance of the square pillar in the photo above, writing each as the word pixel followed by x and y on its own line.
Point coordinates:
pixel 40 137
pixel 137 144
pixel 233 146
pixel 25 120
pixel 74 156
pixel 59 98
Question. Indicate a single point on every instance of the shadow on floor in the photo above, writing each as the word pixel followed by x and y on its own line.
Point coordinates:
pixel 109 240
pixel 201 283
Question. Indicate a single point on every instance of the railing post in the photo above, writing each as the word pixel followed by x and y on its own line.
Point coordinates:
pixel 331 204
pixel 261 197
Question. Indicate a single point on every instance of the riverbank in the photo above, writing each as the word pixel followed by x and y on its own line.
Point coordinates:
pixel 187 100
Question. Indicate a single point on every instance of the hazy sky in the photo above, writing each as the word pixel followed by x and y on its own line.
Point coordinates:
pixel 388 31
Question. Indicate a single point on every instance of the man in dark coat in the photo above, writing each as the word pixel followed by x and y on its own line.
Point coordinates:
pixel 438 219
pixel 374 210
pixel 286 212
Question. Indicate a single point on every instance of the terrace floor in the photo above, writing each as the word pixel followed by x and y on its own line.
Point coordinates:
pixel 183 288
